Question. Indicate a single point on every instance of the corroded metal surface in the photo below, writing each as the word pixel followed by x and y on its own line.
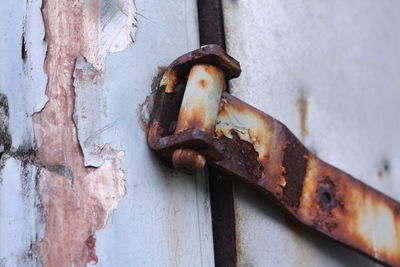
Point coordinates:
pixel 211 82
pixel 210 54
pixel 266 154
pixel 263 152
pixel 212 31
pixel 211 25
pixel 188 160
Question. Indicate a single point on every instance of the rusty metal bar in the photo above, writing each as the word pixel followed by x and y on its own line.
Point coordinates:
pixel 211 23
pixel 266 154
pixel 211 31
pixel 254 147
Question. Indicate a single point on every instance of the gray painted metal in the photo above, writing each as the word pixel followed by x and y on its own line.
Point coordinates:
pixel 164 219
pixel 335 62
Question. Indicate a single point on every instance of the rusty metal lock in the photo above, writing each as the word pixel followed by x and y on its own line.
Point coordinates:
pixel 194 122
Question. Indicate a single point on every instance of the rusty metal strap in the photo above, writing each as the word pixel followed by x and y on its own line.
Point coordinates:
pixel 266 154
pixel 252 146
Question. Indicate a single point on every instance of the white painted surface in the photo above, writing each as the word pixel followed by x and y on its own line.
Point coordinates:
pixel 343 57
pixel 23 82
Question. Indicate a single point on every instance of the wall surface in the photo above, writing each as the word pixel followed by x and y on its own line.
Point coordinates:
pixel 78 183
pixel 329 71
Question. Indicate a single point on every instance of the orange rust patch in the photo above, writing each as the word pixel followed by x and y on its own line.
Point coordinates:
pixel 169 80
pixel 211 69
pixel 188 160
pixel 324 197
pixel 302 104
pixel 203 83
pixel 350 211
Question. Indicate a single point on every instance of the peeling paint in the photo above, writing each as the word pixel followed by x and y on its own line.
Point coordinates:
pixel 74 211
pixel 143 110
pixel 77 200
pixel 89 108
pixel 34 53
pixel 181 205
pixel 117 22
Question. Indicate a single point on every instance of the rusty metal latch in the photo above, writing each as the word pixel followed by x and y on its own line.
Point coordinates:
pixel 194 122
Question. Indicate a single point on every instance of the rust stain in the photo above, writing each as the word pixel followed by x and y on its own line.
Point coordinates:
pixel 91 245
pixel 188 160
pixel 263 152
pixel 78 204
pixel 314 192
pixel 199 107
pixel 180 68
pixel 350 211
pixel 385 170
pixel 203 83
pixel 302 104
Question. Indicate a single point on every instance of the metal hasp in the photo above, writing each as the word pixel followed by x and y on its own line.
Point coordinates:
pixel 193 121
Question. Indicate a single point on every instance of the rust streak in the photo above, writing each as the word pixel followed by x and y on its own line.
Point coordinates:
pixel 91 244
pixel 203 83
pixel 302 104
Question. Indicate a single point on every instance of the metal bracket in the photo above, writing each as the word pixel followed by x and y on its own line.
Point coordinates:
pixel 194 122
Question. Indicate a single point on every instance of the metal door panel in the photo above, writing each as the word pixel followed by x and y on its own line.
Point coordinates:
pixel 329 71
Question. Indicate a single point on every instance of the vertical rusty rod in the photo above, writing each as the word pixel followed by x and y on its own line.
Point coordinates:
pixel 211 23
pixel 211 31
